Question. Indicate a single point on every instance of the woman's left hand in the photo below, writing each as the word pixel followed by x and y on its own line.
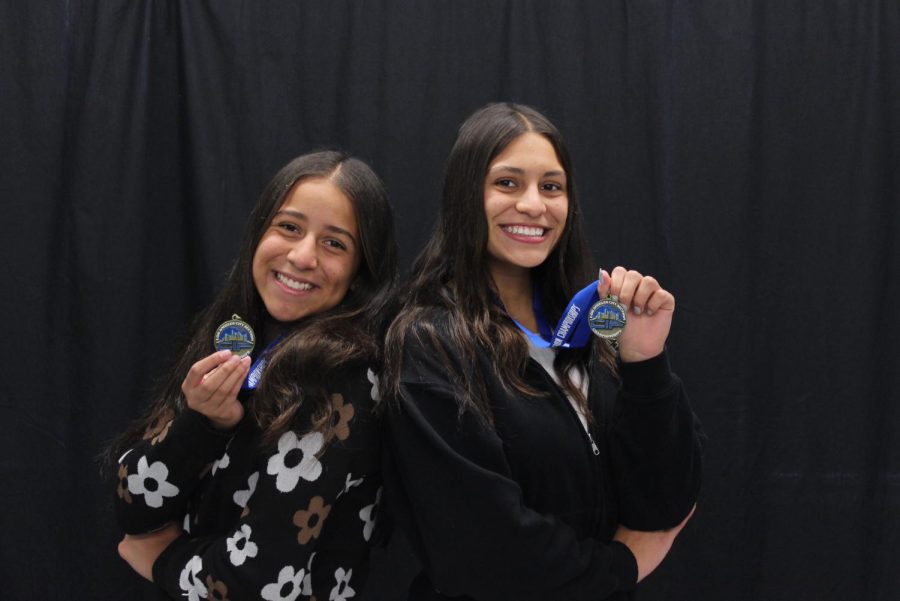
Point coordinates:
pixel 650 308
pixel 141 550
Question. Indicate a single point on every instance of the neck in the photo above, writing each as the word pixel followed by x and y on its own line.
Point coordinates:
pixel 271 329
pixel 515 291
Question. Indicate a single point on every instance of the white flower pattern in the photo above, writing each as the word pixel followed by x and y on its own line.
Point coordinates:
pixel 193 587
pixel 287 575
pixel 342 590
pixel 221 463
pixel 349 483
pixel 241 497
pixel 307 581
pixel 154 493
pixel 240 547
pixel 373 379
pixel 369 515
pixel 308 468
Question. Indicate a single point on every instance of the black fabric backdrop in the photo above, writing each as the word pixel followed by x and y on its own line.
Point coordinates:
pixel 745 152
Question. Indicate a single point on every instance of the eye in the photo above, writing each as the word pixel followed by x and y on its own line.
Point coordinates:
pixel 335 244
pixel 551 187
pixel 288 227
pixel 505 182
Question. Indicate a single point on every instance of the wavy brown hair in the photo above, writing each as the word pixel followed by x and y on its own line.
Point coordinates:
pixel 450 281
pixel 315 347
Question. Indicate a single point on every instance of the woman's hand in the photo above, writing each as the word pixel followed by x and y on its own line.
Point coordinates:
pixel 650 309
pixel 141 550
pixel 212 385
pixel 649 548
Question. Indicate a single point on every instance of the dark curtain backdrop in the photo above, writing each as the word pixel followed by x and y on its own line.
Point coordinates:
pixel 745 152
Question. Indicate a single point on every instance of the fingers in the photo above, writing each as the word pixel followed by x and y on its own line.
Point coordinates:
pixel 603 284
pixel 660 300
pixel 214 379
pixel 640 293
pixel 202 368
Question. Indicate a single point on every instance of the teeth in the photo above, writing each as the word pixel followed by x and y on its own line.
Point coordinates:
pixel 292 284
pixel 521 230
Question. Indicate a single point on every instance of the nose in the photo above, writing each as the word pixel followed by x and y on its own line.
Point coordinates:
pixel 531 203
pixel 304 253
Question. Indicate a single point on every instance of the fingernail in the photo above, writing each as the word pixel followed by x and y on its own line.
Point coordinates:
pixel 233 359
pixel 600 275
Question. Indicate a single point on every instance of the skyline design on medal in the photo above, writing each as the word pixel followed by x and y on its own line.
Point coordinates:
pixel 607 318
pixel 235 335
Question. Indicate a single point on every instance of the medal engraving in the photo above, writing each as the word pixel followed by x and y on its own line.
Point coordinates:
pixel 235 335
pixel 607 318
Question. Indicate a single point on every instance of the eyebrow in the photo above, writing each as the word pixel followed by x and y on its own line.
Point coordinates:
pixel 330 228
pixel 520 171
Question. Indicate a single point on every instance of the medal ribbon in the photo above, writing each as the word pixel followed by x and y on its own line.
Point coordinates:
pixel 573 330
pixel 259 366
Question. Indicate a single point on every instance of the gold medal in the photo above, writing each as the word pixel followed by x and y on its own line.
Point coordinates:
pixel 607 318
pixel 235 335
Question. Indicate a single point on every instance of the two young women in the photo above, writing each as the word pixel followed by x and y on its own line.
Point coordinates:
pixel 516 471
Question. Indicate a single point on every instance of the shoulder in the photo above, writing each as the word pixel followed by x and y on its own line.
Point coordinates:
pixel 430 344
pixel 356 383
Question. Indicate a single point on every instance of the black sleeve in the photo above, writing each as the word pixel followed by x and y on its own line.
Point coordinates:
pixel 655 445
pixel 465 512
pixel 306 526
pixel 158 476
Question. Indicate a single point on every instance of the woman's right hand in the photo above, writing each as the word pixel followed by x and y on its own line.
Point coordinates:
pixel 649 548
pixel 212 385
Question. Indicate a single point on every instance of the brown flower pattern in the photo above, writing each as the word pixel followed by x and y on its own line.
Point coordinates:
pixel 160 429
pixel 346 418
pixel 122 487
pixel 216 589
pixel 310 520
pixel 341 417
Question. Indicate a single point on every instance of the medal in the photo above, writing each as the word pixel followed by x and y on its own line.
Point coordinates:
pixel 607 318
pixel 235 335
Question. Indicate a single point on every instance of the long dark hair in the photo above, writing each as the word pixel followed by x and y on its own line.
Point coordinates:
pixel 450 279
pixel 314 347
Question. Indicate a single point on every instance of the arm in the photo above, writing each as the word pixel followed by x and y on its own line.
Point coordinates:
pixel 303 488
pixel 466 515
pixel 655 439
pixel 655 444
pixel 158 475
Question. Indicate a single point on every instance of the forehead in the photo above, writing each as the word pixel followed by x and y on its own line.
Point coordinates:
pixel 320 201
pixel 529 150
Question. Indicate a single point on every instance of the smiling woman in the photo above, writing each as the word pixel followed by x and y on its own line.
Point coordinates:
pixel 305 261
pixel 520 468
pixel 267 486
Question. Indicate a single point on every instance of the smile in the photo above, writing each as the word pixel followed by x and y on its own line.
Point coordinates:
pixel 525 231
pixel 292 283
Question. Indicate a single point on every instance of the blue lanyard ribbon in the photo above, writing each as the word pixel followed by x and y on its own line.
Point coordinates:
pixel 259 366
pixel 573 330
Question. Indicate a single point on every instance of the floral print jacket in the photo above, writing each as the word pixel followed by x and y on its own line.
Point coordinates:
pixel 291 522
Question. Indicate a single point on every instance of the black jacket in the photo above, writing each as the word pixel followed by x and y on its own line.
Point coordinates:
pixel 527 509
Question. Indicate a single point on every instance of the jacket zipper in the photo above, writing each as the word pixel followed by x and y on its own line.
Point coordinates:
pixel 594 446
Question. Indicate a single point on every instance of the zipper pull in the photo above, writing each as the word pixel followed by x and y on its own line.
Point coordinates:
pixel 593 444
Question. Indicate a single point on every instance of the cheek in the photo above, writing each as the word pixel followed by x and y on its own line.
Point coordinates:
pixel 341 274
pixel 562 212
pixel 258 266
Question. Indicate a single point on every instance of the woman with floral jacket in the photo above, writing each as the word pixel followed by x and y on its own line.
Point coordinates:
pixel 257 477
